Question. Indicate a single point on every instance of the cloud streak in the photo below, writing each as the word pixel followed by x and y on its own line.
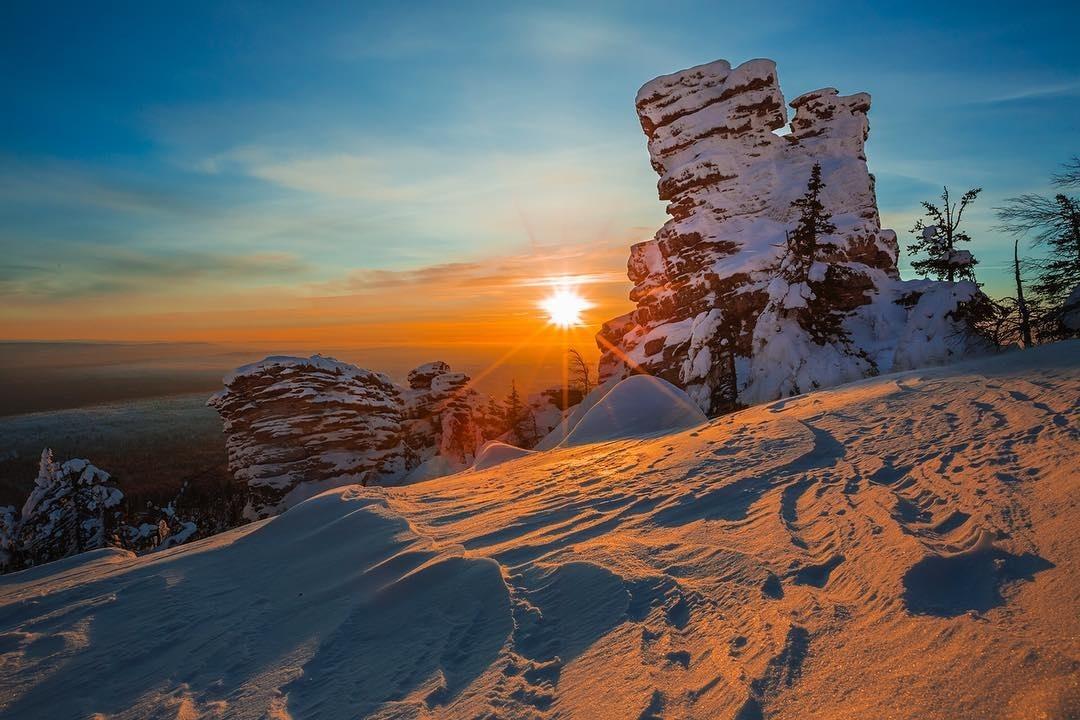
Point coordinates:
pixel 125 272
pixel 1037 92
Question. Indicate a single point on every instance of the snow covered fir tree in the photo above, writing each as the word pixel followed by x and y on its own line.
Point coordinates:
pixel 74 507
pixel 805 295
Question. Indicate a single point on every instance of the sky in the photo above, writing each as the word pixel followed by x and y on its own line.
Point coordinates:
pixel 404 175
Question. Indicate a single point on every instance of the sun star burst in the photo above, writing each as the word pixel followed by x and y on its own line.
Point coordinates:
pixel 564 306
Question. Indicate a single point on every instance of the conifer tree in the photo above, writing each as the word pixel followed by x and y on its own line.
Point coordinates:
pixel 517 416
pixel 814 222
pixel 812 287
pixel 938 237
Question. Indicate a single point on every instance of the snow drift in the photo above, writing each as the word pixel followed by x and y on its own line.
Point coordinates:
pixel 900 547
pixel 496 453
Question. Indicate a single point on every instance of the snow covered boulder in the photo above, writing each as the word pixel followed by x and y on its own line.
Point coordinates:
pixel 291 421
pixel 639 406
pixel 929 334
pixel 496 453
pixel 298 426
pixel 722 310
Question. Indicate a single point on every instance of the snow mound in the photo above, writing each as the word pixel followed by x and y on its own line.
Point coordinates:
pixel 496 453
pixel 434 467
pixel 639 406
pixel 563 428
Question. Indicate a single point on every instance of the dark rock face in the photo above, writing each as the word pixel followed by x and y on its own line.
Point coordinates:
pixel 703 282
pixel 292 421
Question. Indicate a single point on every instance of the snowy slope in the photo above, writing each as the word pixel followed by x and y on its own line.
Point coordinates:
pixel 901 547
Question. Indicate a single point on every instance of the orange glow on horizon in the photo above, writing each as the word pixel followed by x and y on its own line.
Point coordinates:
pixel 487 317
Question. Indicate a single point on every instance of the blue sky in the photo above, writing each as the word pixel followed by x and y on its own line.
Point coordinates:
pixel 165 165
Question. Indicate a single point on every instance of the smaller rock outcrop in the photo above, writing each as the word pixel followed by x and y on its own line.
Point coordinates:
pixel 444 416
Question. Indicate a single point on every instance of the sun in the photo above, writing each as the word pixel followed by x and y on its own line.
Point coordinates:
pixel 564 306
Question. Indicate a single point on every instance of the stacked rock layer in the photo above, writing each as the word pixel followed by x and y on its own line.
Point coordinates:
pixel 296 426
pixel 730 175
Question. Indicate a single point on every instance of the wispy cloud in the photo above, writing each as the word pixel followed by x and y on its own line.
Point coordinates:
pixel 1036 92
pixel 504 274
pixel 573 35
pixel 103 272
pixel 449 199
pixel 76 185
pixel 337 175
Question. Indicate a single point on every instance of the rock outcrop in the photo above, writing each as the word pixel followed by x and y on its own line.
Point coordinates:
pixel 446 417
pixel 296 426
pixel 703 284
pixel 312 422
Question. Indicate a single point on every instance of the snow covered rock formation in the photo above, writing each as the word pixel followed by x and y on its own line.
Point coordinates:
pixel 293 422
pixel 297 426
pixel 716 314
